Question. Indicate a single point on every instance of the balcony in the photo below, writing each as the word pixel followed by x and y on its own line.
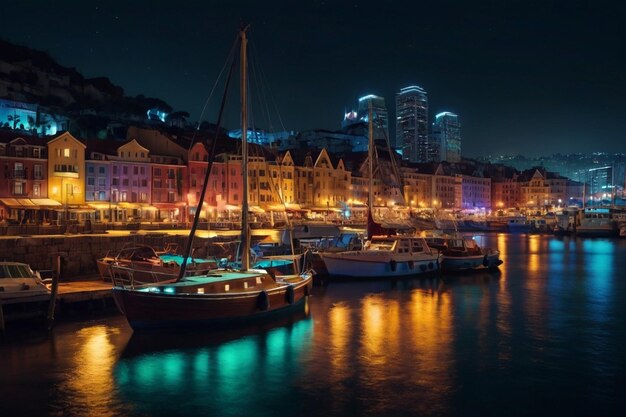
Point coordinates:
pixel 68 171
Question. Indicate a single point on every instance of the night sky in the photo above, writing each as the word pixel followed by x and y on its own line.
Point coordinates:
pixel 530 77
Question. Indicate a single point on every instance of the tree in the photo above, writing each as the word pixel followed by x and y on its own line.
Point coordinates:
pixel 14 119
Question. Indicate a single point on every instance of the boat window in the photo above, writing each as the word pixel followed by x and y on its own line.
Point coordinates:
pixel 381 245
pixel 418 246
pixel 403 246
pixel 455 244
pixel 15 271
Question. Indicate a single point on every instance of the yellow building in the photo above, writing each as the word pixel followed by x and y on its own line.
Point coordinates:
pixel 66 176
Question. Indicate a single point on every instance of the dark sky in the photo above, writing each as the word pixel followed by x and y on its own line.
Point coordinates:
pixel 530 77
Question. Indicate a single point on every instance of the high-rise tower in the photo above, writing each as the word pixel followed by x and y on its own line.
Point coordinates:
pixel 379 114
pixel 447 136
pixel 412 123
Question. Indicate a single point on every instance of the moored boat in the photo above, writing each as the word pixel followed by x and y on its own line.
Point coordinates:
pixel 596 222
pixel 19 282
pixel 383 257
pixel 145 260
pixel 222 296
pixel 460 253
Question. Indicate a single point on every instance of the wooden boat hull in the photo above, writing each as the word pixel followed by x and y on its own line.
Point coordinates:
pixel 150 310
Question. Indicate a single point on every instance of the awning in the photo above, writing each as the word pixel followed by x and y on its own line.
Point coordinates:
pixel 231 207
pixel 102 206
pixel 165 206
pixel 10 202
pixel 77 208
pixel 45 202
pixel 256 209
pixel 26 203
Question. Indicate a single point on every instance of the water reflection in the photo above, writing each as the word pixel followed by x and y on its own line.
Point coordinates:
pixel 230 373
pixel 487 343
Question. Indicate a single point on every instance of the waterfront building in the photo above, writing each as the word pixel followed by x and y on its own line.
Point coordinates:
pixel 416 188
pixel 540 189
pixel 446 137
pixel 321 181
pixel 98 178
pixel 66 176
pixel 472 192
pixel 505 192
pixel 168 190
pixel 24 179
pixel 282 179
pixel 131 178
pixel 440 190
pixel 196 170
pixel 412 124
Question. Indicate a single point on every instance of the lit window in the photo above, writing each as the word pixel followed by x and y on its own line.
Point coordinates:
pixel 66 152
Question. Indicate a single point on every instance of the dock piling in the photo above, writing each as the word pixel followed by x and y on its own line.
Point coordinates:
pixel 54 290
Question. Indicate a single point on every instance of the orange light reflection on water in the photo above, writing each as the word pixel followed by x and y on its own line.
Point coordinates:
pixel 91 385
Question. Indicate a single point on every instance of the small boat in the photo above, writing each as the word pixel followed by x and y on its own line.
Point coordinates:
pixel 519 225
pixel 383 257
pixel 19 282
pixel 150 264
pixel 222 296
pixel 597 222
pixel 23 294
pixel 460 253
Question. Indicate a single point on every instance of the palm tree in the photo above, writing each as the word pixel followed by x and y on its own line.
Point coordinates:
pixel 15 119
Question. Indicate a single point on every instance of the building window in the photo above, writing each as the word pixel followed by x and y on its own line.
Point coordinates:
pixel 102 195
pixel 101 182
pixel 36 190
pixel 91 181
pixel 66 152
pixel 90 169
pixel 18 188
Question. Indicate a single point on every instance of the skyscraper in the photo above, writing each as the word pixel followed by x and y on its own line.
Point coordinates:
pixel 412 123
pixel 379 114
pixel 447 136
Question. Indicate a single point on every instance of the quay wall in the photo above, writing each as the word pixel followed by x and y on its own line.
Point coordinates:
pixel 78 252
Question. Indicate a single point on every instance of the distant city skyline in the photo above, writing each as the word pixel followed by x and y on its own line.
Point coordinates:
pixel 525 77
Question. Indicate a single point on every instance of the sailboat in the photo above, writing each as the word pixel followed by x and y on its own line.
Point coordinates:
pixel 221 296
pixel 383 255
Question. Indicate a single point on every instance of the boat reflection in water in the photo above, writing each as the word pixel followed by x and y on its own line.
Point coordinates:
pixel 214 373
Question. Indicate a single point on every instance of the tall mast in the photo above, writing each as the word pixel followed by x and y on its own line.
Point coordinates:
pixel 370 171
pixel 245 253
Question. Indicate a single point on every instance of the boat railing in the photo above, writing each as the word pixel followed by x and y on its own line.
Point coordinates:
pixel 127 277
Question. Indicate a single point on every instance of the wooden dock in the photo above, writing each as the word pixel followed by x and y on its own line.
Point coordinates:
pixel 77 291
pixel 68 293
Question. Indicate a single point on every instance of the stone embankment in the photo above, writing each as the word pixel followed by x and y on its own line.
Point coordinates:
pixel 78 252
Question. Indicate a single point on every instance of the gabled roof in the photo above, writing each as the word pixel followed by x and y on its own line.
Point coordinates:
pixel 66 135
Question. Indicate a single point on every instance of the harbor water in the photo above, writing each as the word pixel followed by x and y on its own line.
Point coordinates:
pixel 544 335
